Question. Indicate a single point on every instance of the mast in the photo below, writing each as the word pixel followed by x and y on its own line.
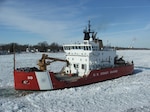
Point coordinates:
pixel 14 52
pixel 87 32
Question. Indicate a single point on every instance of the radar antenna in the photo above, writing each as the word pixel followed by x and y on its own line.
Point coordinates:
pixel 89 27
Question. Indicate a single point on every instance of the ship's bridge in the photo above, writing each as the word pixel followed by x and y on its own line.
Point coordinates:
pixel 89 55
pixel 86 46
pixel 79 55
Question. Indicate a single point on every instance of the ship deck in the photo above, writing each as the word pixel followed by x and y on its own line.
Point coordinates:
pixel 63 77
pixel 75 77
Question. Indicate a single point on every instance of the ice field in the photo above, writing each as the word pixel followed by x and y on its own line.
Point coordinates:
pixel 126 94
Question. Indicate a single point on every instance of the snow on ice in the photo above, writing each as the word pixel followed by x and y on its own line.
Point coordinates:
pixel 125 94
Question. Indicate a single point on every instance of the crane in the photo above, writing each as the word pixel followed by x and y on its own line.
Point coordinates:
pixel 43 64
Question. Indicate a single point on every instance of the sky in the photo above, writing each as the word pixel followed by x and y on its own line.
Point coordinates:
pixel 124 23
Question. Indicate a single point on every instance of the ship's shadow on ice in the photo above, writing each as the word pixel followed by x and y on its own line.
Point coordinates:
pixel 11 93
pixel 139 69
pixel 142 68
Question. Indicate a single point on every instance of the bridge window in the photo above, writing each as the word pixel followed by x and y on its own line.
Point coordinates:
pixel 76 65
pixel 83 66
pixel 95 48
pixel 89 47
pixel 82 47
pixel 78 47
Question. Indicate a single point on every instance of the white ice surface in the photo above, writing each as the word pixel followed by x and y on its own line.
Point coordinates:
pixel 125 94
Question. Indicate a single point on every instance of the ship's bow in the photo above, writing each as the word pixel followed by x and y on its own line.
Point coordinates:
pixel 35 80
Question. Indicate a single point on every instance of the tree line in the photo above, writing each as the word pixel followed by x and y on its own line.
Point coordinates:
pixel 40 47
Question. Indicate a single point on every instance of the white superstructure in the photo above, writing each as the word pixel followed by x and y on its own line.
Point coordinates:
pixel 89 55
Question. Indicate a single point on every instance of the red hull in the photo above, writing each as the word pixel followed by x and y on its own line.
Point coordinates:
pixel 48 81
